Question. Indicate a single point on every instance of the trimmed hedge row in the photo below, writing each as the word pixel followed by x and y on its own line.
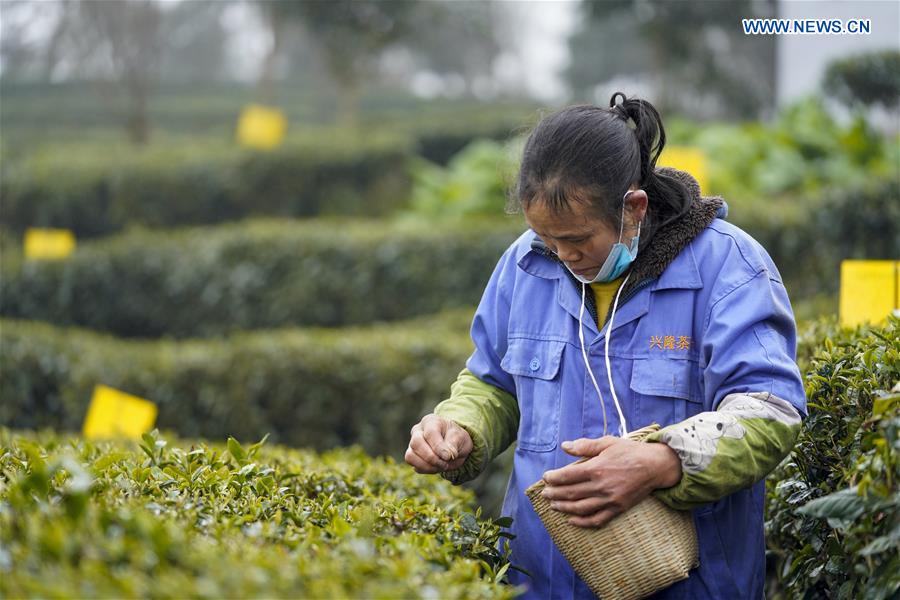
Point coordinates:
pixel 84 519
pixel 206 281
pixel 808 240
pixel 833 505
pixel 97 189
pixel 258 274
pixel 97 184
pixel 312 388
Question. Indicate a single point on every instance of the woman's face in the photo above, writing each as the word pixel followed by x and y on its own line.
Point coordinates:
pixel 579 238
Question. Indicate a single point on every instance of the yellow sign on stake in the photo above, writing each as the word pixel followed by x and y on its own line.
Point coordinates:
pixel 686 158
pixel 48 244
pixel 116 414
pixel 870 291
pixel 261 127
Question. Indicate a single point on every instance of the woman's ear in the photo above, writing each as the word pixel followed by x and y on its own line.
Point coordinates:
pixel 636 205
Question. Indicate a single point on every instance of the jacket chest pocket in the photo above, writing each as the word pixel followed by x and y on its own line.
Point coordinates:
pixel 535 365
pixel 666 391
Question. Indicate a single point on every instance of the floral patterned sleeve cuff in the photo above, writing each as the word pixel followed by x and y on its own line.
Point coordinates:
pixel 728 449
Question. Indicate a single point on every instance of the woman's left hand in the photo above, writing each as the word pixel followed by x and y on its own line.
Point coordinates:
pixel 621 473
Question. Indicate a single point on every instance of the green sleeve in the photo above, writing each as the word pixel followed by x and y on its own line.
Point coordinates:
pixel 729 449
pixel 488 413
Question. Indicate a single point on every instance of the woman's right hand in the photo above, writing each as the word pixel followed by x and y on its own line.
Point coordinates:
pixel 437 444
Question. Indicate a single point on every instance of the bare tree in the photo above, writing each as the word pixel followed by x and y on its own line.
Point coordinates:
pixel 126 37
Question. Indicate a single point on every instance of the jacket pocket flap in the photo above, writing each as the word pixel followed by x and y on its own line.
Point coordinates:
pixel 533 358
pixel 663 377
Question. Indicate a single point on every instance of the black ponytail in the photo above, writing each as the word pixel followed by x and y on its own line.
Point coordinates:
pixel 669 197
pixel 589 154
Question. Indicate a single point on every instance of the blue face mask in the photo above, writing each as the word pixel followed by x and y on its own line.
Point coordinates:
pixel 619 259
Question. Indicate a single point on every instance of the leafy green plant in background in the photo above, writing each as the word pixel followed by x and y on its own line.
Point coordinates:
pixel 833 505
pixel 804 151
pixel 474 182
pixel 82 519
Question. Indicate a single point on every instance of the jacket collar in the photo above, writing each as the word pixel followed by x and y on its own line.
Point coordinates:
pixel 651 262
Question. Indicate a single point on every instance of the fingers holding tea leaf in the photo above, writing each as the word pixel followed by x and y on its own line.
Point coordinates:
pixel 460 443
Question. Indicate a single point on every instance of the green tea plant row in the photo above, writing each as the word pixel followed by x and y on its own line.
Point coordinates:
pixel 99 190
pixel 317 388
pixel 833 505
pixel 191 519
pixel 97 185
pixel 207 281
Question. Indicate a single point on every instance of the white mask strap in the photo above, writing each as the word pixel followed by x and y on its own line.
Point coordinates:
pixel 584 356
pixel 623 427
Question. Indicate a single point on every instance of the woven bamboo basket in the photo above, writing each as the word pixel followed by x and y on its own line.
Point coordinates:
pixel 639 552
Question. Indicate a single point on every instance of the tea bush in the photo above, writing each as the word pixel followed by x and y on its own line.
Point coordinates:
pixel 833 505
pixel 318 388
pixel 101 188
pixel 83 519
pixel 213 280
pixel 808 240
pixel 89 180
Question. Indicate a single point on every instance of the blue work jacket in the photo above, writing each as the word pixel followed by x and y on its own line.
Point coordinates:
pixel 715 321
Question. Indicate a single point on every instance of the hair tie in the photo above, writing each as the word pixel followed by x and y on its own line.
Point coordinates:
pixel 620 110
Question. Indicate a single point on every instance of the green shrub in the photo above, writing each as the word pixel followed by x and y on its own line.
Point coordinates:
pixel 804 152
pixel 475 182
pixel 808 242
pixel 212 280
pixel 315 388
pixel 81 519
pixel 97 189
pixel 833 505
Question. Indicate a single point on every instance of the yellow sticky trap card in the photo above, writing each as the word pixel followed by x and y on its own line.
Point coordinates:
pixel 116 414
pixel 261 127
pixel 48 244
pixel 870 291
pixel 686 158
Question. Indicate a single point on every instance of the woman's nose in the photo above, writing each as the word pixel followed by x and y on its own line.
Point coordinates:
pixel 567 253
